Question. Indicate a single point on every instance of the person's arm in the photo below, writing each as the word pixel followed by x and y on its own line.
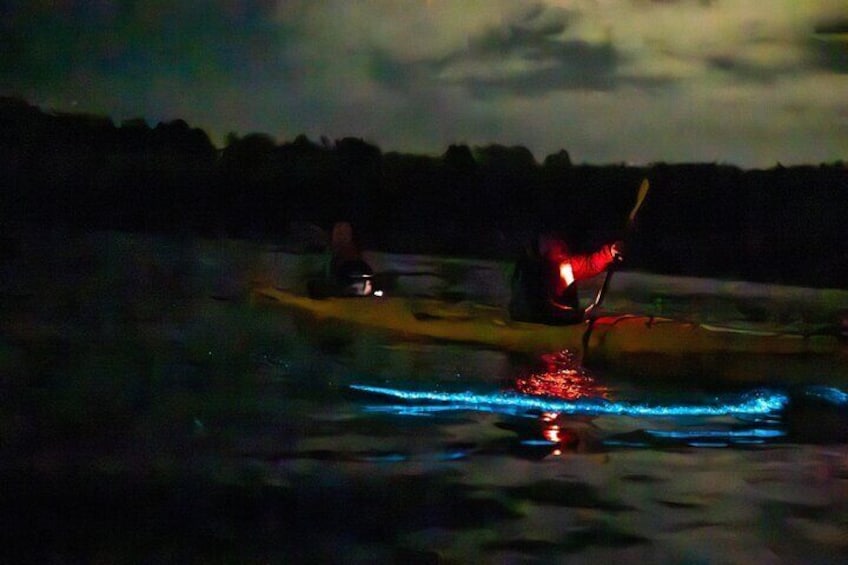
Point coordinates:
pixel 587 266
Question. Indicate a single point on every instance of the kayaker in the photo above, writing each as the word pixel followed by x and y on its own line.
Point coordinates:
pixel 349 273
pixel 543 285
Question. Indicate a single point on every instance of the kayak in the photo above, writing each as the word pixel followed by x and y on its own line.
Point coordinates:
pixel 650 345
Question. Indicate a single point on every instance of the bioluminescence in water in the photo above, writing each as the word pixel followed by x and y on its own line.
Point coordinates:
pixel 752 403
pixel 830 395
pixel 760 415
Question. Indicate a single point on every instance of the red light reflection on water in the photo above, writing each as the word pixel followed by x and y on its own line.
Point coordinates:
pixel 556 434
pixel 561 377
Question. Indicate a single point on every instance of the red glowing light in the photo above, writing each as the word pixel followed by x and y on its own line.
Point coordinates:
pixel 563 377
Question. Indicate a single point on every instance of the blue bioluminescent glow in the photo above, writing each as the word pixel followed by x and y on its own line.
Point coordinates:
pixel 408 409
pixel 752 403
pixel 829 394
pixel 708 444
pixel 723 434
pixel 386 458
pixel 538 442
pixel 454 455
pixel 623 443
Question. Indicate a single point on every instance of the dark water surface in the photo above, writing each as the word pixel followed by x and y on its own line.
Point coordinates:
pixel 150 411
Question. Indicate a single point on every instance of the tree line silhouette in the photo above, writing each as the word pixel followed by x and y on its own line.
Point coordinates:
pixel 82 172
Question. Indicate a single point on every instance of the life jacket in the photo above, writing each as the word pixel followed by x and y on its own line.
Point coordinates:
pixel 544 280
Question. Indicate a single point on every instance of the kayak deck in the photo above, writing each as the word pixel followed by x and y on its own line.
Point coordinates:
pixel 643 343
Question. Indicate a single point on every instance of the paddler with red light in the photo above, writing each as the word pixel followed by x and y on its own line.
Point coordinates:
pixel 544 288
pixel 544 282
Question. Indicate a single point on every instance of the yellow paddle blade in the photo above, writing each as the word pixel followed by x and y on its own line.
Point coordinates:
pixel 643 192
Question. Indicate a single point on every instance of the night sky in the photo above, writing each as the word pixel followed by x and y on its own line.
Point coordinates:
pixel 744 82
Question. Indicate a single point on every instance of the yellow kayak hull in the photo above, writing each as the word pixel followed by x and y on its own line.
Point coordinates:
pixel 642 344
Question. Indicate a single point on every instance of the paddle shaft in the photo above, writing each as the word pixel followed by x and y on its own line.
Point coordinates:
pixel 599 297
pixel 631 219
pixel 590 311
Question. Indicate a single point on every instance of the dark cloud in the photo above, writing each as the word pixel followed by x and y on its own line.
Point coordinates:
pixel 528 57
pixel 826 48
pixel 552 64
pixel 833 27
pixel 746 71
pixel 831 55
pixel 530 33
pixel 50 43
pixel 570 65
pixel 393 73
pixel 830 45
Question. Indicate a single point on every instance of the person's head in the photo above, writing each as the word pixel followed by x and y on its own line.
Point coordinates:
pixel 355 278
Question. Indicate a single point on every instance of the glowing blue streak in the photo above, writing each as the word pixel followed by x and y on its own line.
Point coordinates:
pixel 727 434
pixel 830 394
pixel 423 409
pixel 755 402
pixel 387 458
pixel 454 455
pixel 707 444
pixel 621 443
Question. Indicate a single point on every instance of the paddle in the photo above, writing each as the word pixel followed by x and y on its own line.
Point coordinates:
pixel 589 314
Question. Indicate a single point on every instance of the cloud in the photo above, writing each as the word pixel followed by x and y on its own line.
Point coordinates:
pixel 523 60
pixel 505 48
pixel 835 26
pixel 498 50
pixel 830 44
pixel 609 80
